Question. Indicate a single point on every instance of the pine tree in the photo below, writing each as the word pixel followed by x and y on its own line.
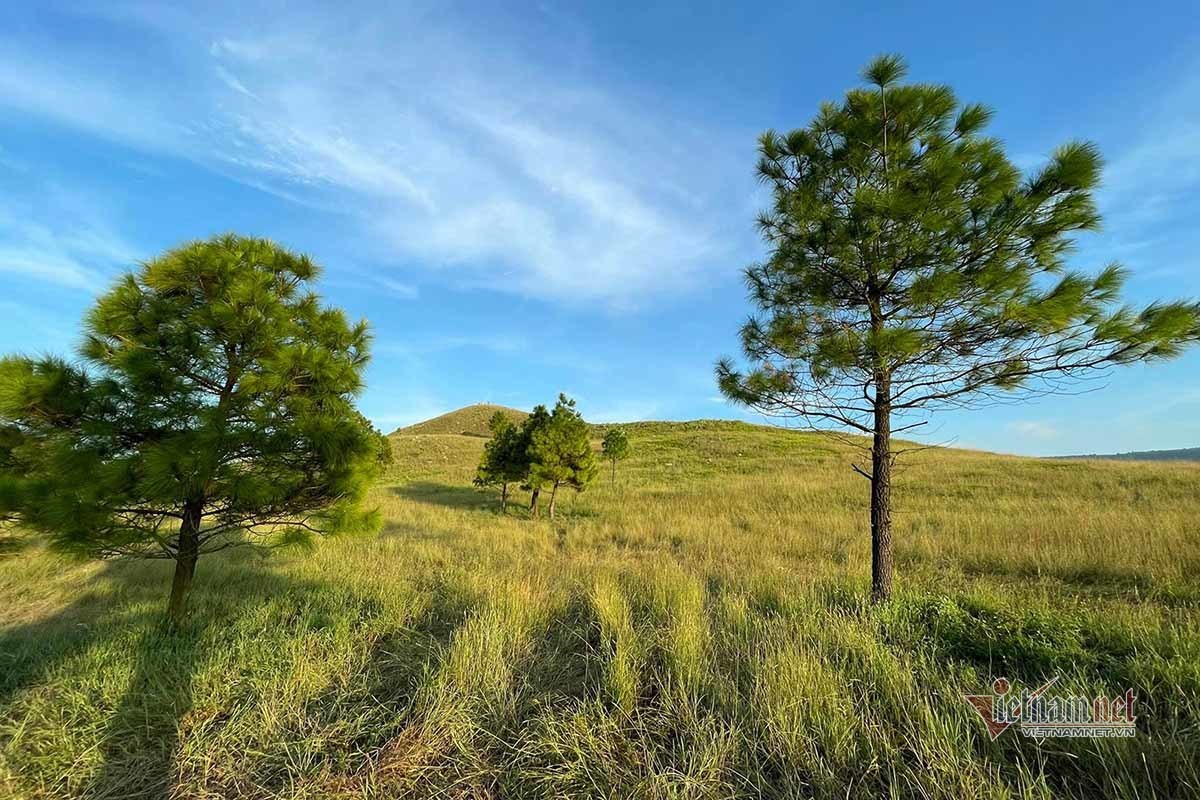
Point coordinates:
pixel 615 447
pixel 382 445
pixel 912 267
pixel 211 407
pixel 504 457
pixel 538 419
pixel 561 452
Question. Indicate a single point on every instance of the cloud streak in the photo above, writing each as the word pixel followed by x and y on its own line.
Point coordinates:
pixel 473 164
pixel 59 236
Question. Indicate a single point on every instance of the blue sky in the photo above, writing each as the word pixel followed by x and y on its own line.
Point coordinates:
pixel 530 198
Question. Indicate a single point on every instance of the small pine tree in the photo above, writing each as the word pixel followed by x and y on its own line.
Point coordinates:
pixel 615 447
pixel 212 407
pixel 538 419
pixel 382 445
pixel 561 452
pixel 504 457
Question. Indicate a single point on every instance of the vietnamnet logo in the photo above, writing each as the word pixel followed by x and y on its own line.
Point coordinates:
pixel 1038 714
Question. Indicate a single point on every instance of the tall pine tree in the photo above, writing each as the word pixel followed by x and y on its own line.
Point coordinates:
pixel 913 267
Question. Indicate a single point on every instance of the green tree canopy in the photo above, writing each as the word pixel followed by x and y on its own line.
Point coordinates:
pixel 211 406
pixel 384 455
pixel 505 460
pixel 561 452
pixel 614 447
pixel 538 419
pixel 911 266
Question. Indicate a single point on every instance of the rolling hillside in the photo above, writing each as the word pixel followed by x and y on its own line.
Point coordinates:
pixel 467 421
pixel 698 630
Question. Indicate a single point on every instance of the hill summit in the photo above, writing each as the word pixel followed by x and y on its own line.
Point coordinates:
pixel 469 420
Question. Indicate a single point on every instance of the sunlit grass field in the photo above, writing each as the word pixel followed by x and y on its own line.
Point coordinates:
pixel 698 630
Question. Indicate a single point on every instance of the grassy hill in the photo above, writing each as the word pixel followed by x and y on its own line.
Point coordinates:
pixel 699 630
pixel 466 421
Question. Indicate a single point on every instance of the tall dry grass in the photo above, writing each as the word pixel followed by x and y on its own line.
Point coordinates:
pixel 701 630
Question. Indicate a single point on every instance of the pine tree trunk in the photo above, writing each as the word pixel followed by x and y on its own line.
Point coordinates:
pixel 553 496
pixel 881 493
pixel 185 563
pixel 533 509
pixel 504 498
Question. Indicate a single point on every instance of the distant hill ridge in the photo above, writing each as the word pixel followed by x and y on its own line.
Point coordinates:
pixel 1182 454
pixel 472 420
pixel 467 421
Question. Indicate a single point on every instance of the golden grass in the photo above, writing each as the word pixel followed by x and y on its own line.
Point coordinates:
pixel 700 630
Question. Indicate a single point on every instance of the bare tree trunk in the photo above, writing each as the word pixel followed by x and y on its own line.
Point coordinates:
pixel 553 496
pixel 614 473
pixel 504 498
pixel 185 563
pixel 881 493
pixel 533 509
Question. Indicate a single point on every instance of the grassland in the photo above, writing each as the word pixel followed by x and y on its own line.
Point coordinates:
pixel 700 630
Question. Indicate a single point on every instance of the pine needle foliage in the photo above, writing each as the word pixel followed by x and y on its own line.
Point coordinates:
pixel 211 406
pixel 505 460
pixel 912 267
pixel 561 452
pixel 538 418
pixel 614 447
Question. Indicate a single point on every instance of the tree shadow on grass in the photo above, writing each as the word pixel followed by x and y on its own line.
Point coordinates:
pixel 414 532
pixel 126 601
pixel 408 530
pixel 472 499
pixel 386 703
pixel 142 739
pixel 1094 579
pixel 142 736
pixel 447 495
pixel 11 544
pixel 30 651
pixel 432 754
pixel 111 602
pixel 564 666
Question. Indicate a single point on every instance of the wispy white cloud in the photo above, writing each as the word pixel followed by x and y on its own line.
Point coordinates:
pixel 232 82
pixel 486 166
pixel 76 94
pixel 629 410
pixel 1150 184
pixel 1167 399
pixel 404 291
pixel 62 237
